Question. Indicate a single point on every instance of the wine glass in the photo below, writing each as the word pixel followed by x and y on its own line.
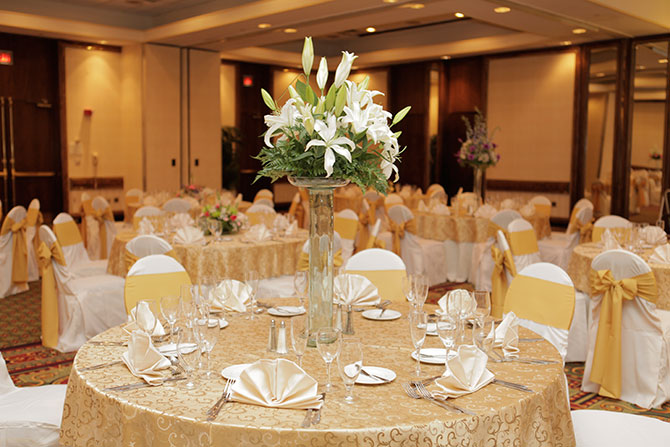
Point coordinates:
pixel 300 284
pixel 252 280
pixel 208 337
pixel 187 302
pixel 460 305
pixel 188 352
pixel 420 287
pixel 328 345
pixel 484 335
pixel 418 323
pixel 214 227
pixel 299 336
pixel 482 304
pixel 447 330
pixel 349 364
pixel 170 305
pixel 407 289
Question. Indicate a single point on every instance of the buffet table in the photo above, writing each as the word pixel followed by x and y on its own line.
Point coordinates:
pixel 381 414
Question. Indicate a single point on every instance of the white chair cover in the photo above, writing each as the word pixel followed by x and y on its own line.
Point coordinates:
pixel 266 202
pixel 645 337
pixel 261 214
pixel 374 260
pixel 86 306
pixel 392 200
pixel 29 416
pixel 146 245
pixel 75 253
pixel 599 428
pixel 522 260
pixel 612 222
pixel 177 205
pixel 154 265
pixel 148 210
pixel 31 233
pixel 264 194
pixel 348 240
pixel 558 250
pixel 7 287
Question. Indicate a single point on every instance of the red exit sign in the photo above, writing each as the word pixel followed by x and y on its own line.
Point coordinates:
pixel 6 57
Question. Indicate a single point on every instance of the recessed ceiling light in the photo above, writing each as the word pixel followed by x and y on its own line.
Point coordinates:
pixel 102 42
pixel 578 31
pixel 290 30
pixel 600 75
pixel 460 15
pixel 641 67
pixel 446 58
pixel 663 61
pixel 412 5
pixel 566 42
pixel 89 48
pixel 502 9
pixel 370 29
pixel 390 1
pixel 264 25
pixel 285 70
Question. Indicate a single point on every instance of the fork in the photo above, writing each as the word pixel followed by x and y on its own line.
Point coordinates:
pixel 213 412
pixel 317 413
pixel 423 392
pixel 411 392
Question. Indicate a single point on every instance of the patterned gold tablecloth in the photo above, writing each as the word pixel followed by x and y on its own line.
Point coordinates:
pixel 229 258
pixel 382 415
pixel 580 264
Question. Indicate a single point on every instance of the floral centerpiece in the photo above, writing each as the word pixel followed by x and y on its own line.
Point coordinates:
pixel 322 140
pixel 656 157
pixel 227 215
pixel 191 191
pixel 478 150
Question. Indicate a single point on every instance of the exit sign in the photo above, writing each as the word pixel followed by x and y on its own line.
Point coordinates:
pixel 6 57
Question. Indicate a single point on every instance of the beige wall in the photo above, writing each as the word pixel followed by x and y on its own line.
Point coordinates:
pixel 131 116
pixel 227 93
pixel 648 130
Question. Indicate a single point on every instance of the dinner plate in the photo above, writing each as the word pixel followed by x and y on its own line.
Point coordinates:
pixel 378 371
pixel 171 348
pixel 373 314
pixel 286 311
pixel 233 372
pixel 434 356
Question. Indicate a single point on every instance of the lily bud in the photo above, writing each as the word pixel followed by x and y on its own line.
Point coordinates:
pixel 307 56
pixel 342 72
pixel 322 74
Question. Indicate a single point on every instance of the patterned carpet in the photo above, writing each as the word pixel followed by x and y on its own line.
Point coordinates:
pixel 31 364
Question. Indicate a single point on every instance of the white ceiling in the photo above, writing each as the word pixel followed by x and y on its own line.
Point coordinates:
pixel 405 31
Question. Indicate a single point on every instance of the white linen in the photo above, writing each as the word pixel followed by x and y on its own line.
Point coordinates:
pixel 528 210
pixel 485 211
pixel 355 289
pixel 142 316
pixel 609 241
pixel 465 373
pixel 507 335
pixel 258 233
pixel 280 223
pixel 231 296
pixel 421 206
pixel 181 220
pixel 654 235
pixel 661 255
pixel 143 359
pixel 189 235
pixel 463 300
pixel 441 209
pixel 292 229
pixel 145 227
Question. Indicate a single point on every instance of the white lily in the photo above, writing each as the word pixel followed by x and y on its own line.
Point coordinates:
pixel 342 72
pixel 327 130
pixel 322 74
pixel 286 118
pixel 357 117
pixel 307 56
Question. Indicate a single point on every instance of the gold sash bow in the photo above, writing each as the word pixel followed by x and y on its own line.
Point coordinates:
pixel 131 258
pixel 398 232
pixel 153 287
pixel 34 218
pixel 303 260
pixel 493 228
pixel 501 261
pixel 49 292
pixel 363 231
pixel 19 249
pixel 523 242
pixel 606 368
pixel 101 216
pixel 373 242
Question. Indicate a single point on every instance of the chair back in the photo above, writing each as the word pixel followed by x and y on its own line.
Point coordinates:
pixel 177 205
pixel 151 212
pixel 523 243
pixel 383 268
pixel 618 225
pixel 133 196
pixel 146 245
pixel 432 189
pixel 264 194
pixel 542 206
pixel 504 217
pixel 70 239
pixel 266 202
pixel 152 278
pixel 346 224
pixel 261 214
pixel 392 200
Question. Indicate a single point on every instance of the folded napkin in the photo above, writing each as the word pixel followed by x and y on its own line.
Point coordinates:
pixel 258 233
pixel 140 317
pixel 441 209
pixel 486 211
pixel 181 220
pixel 189 235
pixel 661 255
pixel 231 296
pixel 528 210
pixel 463 297
pixel 292 229
pixel 280 223
pixel 143 360
pixel 508 204
pixel 276 383
pixel 507 336
pixel 609 241
pixel 421 206
pixel 150 201
pixel 654 235
pixel 145 227
pixel 466 373
pixel 355 289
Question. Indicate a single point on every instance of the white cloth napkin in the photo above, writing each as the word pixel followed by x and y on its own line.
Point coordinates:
pixel 280 223
pixel 466 373
pixel 465 300
pixel 189 235
pixel 258 233
pixel 508 204
pixel 143 360
pixel 292 229
pixel 145 227
pixel 276 383
pixel 421 206
pixel 507 336
pixel 441 209
pixel 609 241
pixel 141 316
pixel 181 220
pixel 355 289
pixel 231 296
pixel 654 236
pixel 528 210
pixel 661 255
pixel 486 211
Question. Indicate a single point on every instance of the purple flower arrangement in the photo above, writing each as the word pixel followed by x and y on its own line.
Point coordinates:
pixel 477 151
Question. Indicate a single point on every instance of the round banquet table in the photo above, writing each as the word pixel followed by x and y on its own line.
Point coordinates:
pixel 580 265
pixel 381 415
pixel 228 258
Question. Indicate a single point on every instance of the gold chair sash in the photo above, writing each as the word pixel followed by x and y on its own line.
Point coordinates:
pixel 19 249
pixel 303 260
pixel 541 301
pixel 585 229
pixel 387 282
pixel 523 242
pixel 373 242
pixel 542 209
pixel 34 218
pixel 153 287
pixel 493 228
pixel 345 227
pixel 131 258
pixel 101 216
pixel 501 261
pixel 50 327
pixel 67 233
pixel 606 368
pixel 398 232
pixel 88 210
pixel 597 233
pixel 363 231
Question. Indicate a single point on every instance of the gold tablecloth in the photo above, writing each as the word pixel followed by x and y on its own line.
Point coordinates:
pixel 225 259
pixel 382 415
pixel 580 264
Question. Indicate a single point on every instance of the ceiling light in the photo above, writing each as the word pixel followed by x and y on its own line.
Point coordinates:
pixel 370 29
pixel 89 48
pixel 502 9
pixel 285 70
pixel 663 61
pixel 641 67
pixel 390 1
pixel 264 25
pixel 102 42
pixel 412 5
pixel 446 58
pixel 290 30
pixel 578 31
pixel 600 75
pixel 566 42
pixel 460 15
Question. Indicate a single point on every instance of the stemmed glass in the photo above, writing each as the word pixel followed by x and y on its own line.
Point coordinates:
pixel 350 363
pixel 408 289
pixel 418 324
pixel 300 284
pixel 483 334
pixel 214 227
pixel 187 303
pixel 208 337
pixel 447 330
pixel 460 305
pixel 328 345
pixel 170 309
pixel 252 279
pixel 299 336
pixel 188 352
pixel 420 286
pixel 482 307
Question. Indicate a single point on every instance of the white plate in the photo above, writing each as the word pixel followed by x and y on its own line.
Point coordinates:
pixel 233 372
pixel 286 311
pixel 431 329
pixel 376 371
pixel 171 348
pixel 373 314
pixel 222 323
pixel 428 353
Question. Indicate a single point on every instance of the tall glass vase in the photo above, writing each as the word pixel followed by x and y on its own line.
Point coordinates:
pixel 320 274
pixel 478 186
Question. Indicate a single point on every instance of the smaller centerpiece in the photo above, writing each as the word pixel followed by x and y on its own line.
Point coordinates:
pixel 220 218
pixel 478 151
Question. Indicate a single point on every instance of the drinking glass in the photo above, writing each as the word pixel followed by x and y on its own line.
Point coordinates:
pixel 484 334
pixel 420 286
pixel 418 323
pixel 214 227
pixel 447 330
pixel 482 304
pixel 408 289
pixel 299 336
pixel 460 305
pixel 328 345
pixel 350 363
pixel 208 337
pixel 188 352
pixel 170 305
pixel 300 284
pixel 187 302
pixel 252 279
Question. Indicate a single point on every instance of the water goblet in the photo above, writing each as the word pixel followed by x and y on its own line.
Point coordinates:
pixel 170 305
pixel 420 287
pixel 484 334
pixel 418 324
pixel 460 305
pixel 300 284
pixel 299 336
pixel 214 227
pixel 349 364
pixel 252 280
pixel 188 352
pixel 208 337
pixel 328 345
pixel 407 289
pixel 447 330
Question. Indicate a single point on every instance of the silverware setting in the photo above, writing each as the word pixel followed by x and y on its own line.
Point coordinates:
pixel 411 390
pixel 134 386
pixel 213 412
pixel 424 393
pixel 308 418
pixel 515 386
pixel 383 305
pixel 530 340
pixel 317 413
pixel 373 376
pixel 108 343
pixel 102 365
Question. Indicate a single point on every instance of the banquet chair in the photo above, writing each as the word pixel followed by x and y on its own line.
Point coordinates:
pixel 601 428
pixel 72 245
pixel 421 256
pixel 13 253
pixel 543 297
pixel 435 187
pixel 146 245
pixel 74 309
pixel 374 204
pixel 466 203
pixel 101 228
pixel 639 190
pixel 437 197
pixel 29 416
pixel 523 243
pixel 153 277
pixel 33 221
pixel 573 224
pixel 177 205
pixel 266 202
pixel 346 225
pixel 393 199
pixel 295 203
pixel 508 204
pixel 264 194
pixel 542 206
pixel 133 199
pixel 261 214
pixel 151 212
pixel 383 268
pixel 618 225
pixel 629 338
pixel 558 250
pixel 502 274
